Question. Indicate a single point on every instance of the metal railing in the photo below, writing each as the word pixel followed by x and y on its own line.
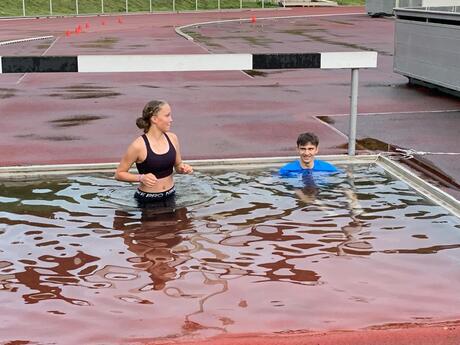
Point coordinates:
pixel 79 7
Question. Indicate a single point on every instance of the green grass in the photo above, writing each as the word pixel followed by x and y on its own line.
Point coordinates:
pixel 351 2
pixel 67 7
pixel 63 7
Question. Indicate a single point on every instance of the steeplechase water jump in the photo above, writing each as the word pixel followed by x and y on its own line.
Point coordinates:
pixel 211 178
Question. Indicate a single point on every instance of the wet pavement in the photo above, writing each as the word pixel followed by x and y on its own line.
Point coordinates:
pixel 447 334
pixel 86 118
pixel 420 131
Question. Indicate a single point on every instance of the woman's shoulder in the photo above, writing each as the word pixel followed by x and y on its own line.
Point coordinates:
pixel 138 143
pixel 172 136
pixel 139 140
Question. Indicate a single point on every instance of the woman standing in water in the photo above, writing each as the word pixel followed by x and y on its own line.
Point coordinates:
pixel 155 153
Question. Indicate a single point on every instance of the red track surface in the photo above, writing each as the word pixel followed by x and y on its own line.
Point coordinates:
pixel 448 334
pixel 87 118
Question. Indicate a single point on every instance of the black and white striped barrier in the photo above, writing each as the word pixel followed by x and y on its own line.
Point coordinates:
pixel 181 63
pixel 200 62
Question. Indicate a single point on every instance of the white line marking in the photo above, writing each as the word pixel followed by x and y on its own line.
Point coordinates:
pixel 24 75
pixel 187 37
pixel 22 40
pixel 20 79
pixel 52 44
pixel 397 112
pixel 330 127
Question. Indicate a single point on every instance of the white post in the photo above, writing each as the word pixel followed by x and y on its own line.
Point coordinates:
pixel 263 3
pixel 241 4
pixel 126 6
pixel 218 5
pixel 353 111
pixel 196 5
pixel 76 7
pixel 102 6
pixel 24 8
pixel 150 6
pixel 174 5
pixel 51 7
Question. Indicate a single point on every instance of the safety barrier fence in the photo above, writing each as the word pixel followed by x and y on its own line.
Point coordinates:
pixel 27 8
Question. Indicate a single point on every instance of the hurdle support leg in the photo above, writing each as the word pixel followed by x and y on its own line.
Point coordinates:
pixel 353 112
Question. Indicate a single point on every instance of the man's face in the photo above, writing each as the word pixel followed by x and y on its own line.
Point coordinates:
pixel 307 153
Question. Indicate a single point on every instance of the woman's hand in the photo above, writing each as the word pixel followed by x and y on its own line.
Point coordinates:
pixel 183 168
pixel 148 180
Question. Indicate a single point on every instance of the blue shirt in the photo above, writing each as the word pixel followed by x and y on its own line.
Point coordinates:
pixel 295 167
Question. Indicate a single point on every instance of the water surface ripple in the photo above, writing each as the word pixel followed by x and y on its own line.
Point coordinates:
pixel 241 252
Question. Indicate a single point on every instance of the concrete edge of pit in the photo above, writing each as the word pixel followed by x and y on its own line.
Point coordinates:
pixel 32 171
pixel 429 191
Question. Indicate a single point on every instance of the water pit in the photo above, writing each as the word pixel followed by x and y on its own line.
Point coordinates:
pixel 244 251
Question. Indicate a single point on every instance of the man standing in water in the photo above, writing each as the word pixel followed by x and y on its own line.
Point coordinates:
pixel 306 167
pixel 307 148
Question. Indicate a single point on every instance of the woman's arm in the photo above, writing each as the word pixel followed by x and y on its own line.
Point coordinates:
pixel 179 166
pixel 129 158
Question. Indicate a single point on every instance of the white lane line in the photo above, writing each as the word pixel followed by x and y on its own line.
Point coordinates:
pixel 24 75
pixel 188 37
pixel 51 45
pixel 316 117
pixel 20 79
pixel 22 40
pixel 209 52
pixel 398 112
pixel 330 126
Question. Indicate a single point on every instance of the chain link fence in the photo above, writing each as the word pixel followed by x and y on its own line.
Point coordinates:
pixel 27 8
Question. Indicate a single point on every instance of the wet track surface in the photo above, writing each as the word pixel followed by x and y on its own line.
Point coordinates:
pixel 236 114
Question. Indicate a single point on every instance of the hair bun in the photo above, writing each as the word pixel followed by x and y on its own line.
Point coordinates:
pixel 141 123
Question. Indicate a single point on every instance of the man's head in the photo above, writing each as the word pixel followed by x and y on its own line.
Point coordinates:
pixel 307 147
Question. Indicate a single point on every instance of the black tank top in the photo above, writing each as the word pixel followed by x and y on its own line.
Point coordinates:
pixel 159 165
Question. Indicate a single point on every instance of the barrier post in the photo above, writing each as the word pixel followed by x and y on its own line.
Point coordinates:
pixel 353 112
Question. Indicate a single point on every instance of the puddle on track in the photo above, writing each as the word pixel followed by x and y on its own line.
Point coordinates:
pixel 242 252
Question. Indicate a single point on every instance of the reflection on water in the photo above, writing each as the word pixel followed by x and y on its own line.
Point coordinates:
pixel 193 192
pixel 241 252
